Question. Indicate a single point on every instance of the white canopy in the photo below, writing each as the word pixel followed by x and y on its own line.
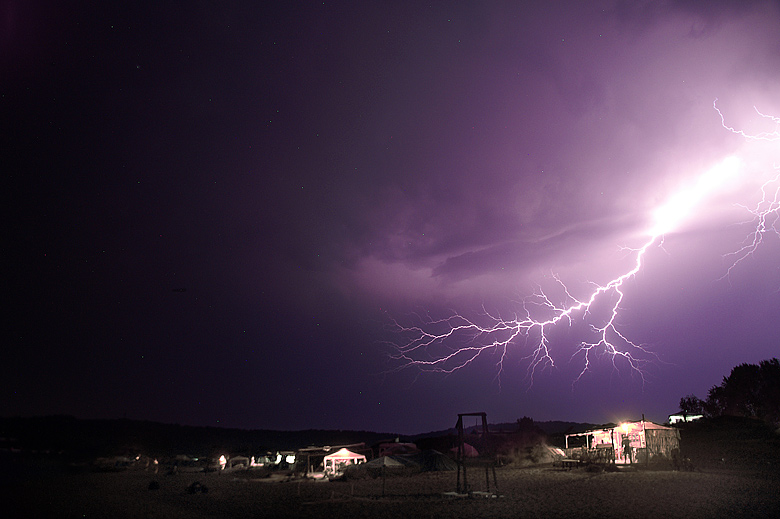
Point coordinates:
pixel 345 454
pixel 336 463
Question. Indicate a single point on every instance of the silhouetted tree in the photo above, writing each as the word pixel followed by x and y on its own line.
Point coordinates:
pixel 769 406
pixel 751 390
pixel 525 423
pixel 691 404
pixel 715 402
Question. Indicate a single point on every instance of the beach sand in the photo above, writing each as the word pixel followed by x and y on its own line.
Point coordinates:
pixel 544 492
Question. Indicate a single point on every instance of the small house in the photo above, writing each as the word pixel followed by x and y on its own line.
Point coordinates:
pixel 628 442
pixel 684 417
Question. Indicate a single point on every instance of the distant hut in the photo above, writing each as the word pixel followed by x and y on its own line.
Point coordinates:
pixel 683 417
pixel 625 443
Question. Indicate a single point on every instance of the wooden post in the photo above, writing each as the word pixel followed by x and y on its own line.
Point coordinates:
pixel 612 439
pixel 464 487
pixel 459 457
pixel 647 444
pixel 484 441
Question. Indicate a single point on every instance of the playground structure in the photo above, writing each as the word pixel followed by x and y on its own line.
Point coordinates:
pixel 486 459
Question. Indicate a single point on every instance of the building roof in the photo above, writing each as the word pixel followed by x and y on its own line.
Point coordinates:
pixel 345 454
pixel 652 425
pixel 647 425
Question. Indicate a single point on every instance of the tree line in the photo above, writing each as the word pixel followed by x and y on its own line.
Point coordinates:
pixel 750 390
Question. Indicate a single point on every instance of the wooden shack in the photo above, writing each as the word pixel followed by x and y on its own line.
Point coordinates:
pixel 628 442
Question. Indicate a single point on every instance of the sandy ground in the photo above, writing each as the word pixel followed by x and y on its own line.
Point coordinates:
pixel 543 492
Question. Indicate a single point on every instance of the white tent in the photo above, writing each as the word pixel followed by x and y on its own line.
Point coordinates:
pixel 338 461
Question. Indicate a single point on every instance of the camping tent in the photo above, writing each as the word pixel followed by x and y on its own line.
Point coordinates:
pixel 397 449
pixel 336 463
pixel 383 465
pixel 386 461
pixel 469 451
pixel 432 460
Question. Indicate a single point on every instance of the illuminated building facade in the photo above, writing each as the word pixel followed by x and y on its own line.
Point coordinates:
pixel 628 442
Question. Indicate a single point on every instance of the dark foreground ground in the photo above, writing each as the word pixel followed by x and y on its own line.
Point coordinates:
pixel 736 473
pixel 523 492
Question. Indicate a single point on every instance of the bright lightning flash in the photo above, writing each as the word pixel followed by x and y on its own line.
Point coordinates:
pixel 680 206
pixel 429 345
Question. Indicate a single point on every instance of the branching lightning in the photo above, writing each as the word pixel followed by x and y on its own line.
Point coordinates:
pixel 765 213
pixel 450 344
pixel 773 135
pixel 765 220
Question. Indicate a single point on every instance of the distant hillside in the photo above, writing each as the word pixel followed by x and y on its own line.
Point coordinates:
pixel 551 428
pixel 85 439
pixel 557 427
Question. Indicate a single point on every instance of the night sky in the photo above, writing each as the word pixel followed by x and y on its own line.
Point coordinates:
pixel 216 213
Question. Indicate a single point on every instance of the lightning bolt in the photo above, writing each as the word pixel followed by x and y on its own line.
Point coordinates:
pixel 428 345
pixel 764 223
pixel 450 344
pixel 773 135
pixel 766 211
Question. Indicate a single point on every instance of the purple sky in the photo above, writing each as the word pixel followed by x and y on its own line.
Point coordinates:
pixel 216 213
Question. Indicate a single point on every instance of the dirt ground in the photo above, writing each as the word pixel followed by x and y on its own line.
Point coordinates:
pixel 544 492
